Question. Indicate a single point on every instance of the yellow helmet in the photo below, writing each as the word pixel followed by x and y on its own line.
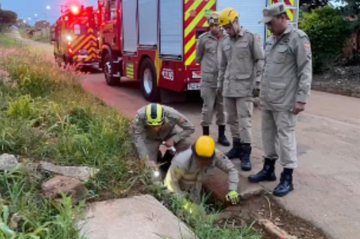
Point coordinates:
pixel 154 114
pixel 227 15
pixel 213 18
pixel 204 147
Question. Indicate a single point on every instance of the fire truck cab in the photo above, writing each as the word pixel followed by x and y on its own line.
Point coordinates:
pixel 154 41
pixel 75 37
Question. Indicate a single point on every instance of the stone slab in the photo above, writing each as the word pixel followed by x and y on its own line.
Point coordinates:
pixel 139 217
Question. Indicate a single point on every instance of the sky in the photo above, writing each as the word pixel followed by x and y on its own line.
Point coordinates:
pixel 28 8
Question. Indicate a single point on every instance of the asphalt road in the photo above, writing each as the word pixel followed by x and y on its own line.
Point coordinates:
pixel 327 185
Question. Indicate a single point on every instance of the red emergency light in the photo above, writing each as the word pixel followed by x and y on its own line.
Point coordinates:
pixel 74 9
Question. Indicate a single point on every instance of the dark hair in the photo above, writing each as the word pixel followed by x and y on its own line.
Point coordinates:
pixel 284 13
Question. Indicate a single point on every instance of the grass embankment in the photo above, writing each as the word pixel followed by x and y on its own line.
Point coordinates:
pixel 45 114
pixel 43 36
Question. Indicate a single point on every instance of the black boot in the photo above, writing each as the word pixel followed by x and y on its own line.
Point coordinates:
pixel 206 130
pixel 245 153
pixel 222 137
pixel 285 186
pixel 235 151
pixel 266 174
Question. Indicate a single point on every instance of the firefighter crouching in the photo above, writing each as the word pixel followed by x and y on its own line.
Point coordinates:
pixel 206 55
pixel 238 70
pixel 188 168
pixel 154 125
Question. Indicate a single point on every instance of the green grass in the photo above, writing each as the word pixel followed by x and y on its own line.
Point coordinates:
pixel 45 114
pixel 25 215
pixel 6 41
pixel 202 217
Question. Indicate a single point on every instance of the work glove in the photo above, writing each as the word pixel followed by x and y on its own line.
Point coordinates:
pixel 233 196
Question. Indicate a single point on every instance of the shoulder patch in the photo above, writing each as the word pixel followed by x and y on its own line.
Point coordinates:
pixel 220 154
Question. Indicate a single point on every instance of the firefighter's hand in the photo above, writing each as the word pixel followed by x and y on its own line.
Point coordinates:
pixel 233 197
pixel 298 107
pixel 169 142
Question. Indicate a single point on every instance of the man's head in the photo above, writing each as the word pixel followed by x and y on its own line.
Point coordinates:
pixel 275 18
pixel 154 116
pixel 213 20
pixel 229 20
pixel 204 150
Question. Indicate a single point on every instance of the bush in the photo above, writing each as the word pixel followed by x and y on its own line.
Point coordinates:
pixel 326 29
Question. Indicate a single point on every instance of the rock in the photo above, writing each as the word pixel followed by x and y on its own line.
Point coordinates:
pixel 138 217
pixel 14 221
pixel 251 191
pixel 81 172
pixel 8 162
pixel 61 184
pixel 273 230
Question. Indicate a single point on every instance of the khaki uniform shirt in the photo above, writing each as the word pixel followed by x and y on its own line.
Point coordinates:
pixel 141 132
pixel 238 64
pixel 207 56
pixel 288 70
pixel 185 175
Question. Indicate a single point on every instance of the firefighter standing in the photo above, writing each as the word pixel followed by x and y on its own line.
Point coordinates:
pixel 188 170
pixel 240 54
pixel 284 91
pixel 206 55
pixel 155 124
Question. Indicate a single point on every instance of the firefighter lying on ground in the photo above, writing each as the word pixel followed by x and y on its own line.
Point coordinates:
pixel 155 125
pixel 188 168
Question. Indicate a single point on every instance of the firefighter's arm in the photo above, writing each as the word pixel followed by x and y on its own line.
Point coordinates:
pixel 304 66
pixel 185 124
pixel 223 163
pixel 222 63
pixel 173 176
pixel 199 50
pixel 139 136
pixel 258 54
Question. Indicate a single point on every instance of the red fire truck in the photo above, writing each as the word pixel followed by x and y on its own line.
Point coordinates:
pixel 75 37
pixel 154 41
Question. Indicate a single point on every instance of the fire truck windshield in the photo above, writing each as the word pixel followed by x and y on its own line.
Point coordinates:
pixel 80 29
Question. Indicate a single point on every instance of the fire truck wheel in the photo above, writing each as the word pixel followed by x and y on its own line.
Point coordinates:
pixel 110 79
pixel 148 82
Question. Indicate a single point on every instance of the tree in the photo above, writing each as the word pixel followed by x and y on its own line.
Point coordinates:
pixel 327 31
pixel 8 17
pixel 308 5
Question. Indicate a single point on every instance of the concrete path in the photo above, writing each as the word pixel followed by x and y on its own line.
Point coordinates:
pixel 140 217
pixel 327 184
